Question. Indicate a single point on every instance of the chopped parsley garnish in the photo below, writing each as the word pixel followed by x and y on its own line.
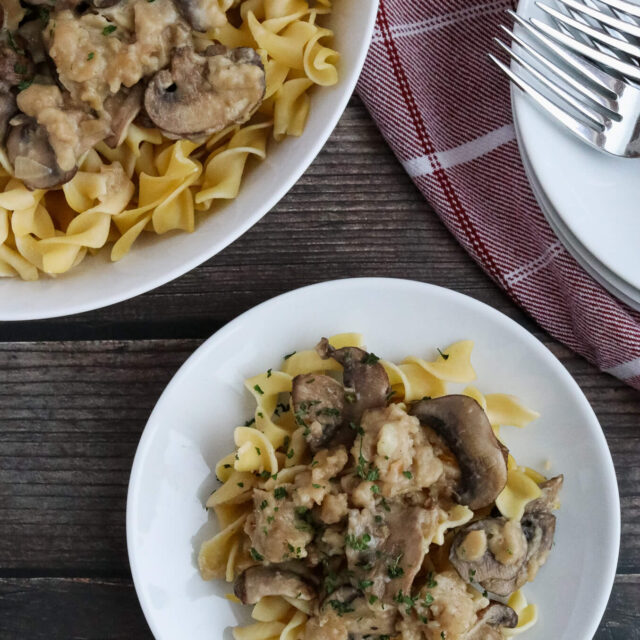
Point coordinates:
pixel 109 29
pixel 364 584
pixel 372 599
pixel 407 474
pixel 370 358
pixel 19 68
pixel 428 600
pixel 378 519
pixel 301 511
pixel 394 570
pixel 358 429
pixel 263 505
pixel 431 583
pixel 258 451
pixel 248 423
pixel 384 504
pixel 408 601
pixel 350 397
pixel 255 555
pixel 316 486
pixel 258 389
pixel 13 45
pixel 290 453
pixel 25 84
pixel 268 373
pixel 280 493
pixel 314 463
pixel 226 466
pixel 270 519
pixel 375 489
pixel 289 355
pixel 359 543
pixel 485 594
pixel 341 607
pixel 472 574
pixel 265 475
pixel 329 411
pixel 330 583
pixel 241 484
pixel 390 394
pixel 444 356
pixel 443 636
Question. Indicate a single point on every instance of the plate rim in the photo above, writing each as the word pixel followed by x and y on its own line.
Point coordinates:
pixel 217 245
pixel 153 423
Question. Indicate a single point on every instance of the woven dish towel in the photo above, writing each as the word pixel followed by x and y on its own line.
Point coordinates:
pixel 446 113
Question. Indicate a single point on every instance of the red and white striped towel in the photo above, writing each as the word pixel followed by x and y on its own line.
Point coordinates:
pixel 446 113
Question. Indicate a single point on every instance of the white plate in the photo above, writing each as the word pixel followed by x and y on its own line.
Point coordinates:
pixel 598 271
pixel 192 427
pixel 156 260
pixel 596 195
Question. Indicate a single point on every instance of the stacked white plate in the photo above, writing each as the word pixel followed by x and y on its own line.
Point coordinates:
pixel 590 199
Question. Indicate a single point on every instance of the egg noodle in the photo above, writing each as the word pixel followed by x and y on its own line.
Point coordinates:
pixel 271 450
pixel 151 183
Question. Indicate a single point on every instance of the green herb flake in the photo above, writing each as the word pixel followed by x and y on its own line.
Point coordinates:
pixel 241 484
pixel 444 356
pixel 290 453
pixel 255 555
pixel 365 584
pixel 329 411
pixel 370 358
pixel 407 474
pixel 359 543
pixel 472 574
pixel 263 505
pixel 316 486
pixel 268 373
pixel 289 355
pixel 375 489
pixel 258 389
pixel 428 600
pixel 341 607
pixel 226 466
pixel 373 599
pixel 314 463
pixel 109 29
pixel 258 451
pixel 25 84
pixel 280 493
pixel 265 475
pixel 350 397
pixel 248 423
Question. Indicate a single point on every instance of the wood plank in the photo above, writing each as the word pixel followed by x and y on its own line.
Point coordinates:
pixel 71 414
pixel 94 609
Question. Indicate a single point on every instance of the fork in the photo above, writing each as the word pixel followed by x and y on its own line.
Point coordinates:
pixel 597 101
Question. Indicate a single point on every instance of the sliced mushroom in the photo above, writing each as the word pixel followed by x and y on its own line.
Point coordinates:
pixel 548 499
pixel 527 551
pixel 365 380
pixel 8 108
pixel 501 578
pixel 15 65
pixel 31 32
pixel 318 404
pixel 466 430
pixel 32 156
pixel 257 582
pixel 202 94
pixel 491 620
pixel 201 15
pixel 123 107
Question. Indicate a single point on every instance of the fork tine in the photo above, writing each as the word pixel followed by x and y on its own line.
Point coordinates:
pixel 587 69
pixel 612 62
pixel 623 6
pixel 596 97
pixel 576 127
pixel 627 28
pixel 595 34
pixel 588 113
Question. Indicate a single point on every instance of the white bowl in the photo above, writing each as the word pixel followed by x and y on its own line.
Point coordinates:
pixel 155 260
pixel 191 428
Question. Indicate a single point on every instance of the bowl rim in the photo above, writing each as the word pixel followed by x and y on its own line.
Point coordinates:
pixel 348 85
pixel 500 319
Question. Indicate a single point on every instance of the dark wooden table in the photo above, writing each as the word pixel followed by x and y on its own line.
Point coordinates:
pixel 75 392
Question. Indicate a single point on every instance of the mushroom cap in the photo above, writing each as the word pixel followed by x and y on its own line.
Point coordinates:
pixel 203 94
pixel 365 380
pixel 32 156
pixel 123 107
pixel 318 399
pixel 255 583
pixel 491 620
pixel 8 108
pixel 465 428
pixel 548 498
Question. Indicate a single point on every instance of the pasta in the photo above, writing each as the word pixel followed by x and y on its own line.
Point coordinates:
pixel 272 457
pixel 151 182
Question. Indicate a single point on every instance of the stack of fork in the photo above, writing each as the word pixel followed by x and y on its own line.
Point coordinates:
pixel 582 68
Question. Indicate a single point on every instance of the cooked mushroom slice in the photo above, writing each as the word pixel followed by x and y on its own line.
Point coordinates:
pixel 318 404
pixel 548 500
pixel 201 15
pixel 202 94
pixel 7 109
pixel 15 67
pixel 365 380
pixel 491 621
pixel 33 159
pixel 497 560
pixel 31 32
pixel 509 555
pixel 123 107
pixel 465 428
pixel 257 582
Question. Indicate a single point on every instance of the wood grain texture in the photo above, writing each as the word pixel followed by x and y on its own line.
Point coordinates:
pixel 75 393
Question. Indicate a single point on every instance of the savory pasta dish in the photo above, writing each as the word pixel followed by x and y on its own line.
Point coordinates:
pixel 365 502
pixel 120 116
